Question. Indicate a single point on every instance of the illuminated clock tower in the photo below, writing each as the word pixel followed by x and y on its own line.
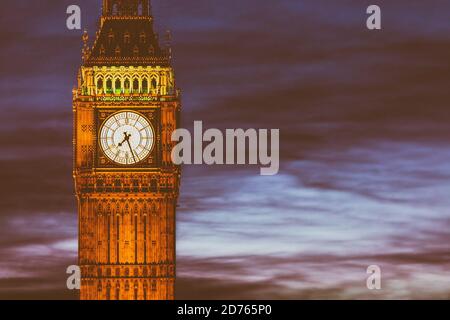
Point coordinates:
pixel 126 107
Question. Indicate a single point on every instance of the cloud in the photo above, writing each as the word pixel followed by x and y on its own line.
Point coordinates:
pixel 313 277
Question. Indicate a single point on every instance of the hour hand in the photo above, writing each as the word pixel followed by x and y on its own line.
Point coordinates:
pixel 124 139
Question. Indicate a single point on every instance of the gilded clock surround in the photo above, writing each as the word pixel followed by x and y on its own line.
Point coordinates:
pixel 126 212
pixel 152 116
pixel 131 152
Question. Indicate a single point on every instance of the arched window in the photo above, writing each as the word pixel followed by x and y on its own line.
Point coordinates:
pixel 154 83
pixel 136 51
pixel 118 86
pixel 145 290
pixel 110 36
pixel 100 84
pixel 126 37
pixel 109 88
pixel 118 291
pixel 127 85
pixel 118 51
pixel 108 291
pixel 145 85
pixel 136 291
pixel 142 37
pixel 135 85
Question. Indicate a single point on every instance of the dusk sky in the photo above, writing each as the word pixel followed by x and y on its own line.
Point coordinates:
pixel 364 118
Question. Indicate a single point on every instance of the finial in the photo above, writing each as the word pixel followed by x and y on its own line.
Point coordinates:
pixel 168 39
pixel 85 51
pixel 85 37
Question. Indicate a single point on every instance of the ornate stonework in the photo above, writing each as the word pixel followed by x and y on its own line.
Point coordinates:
pixel 126 212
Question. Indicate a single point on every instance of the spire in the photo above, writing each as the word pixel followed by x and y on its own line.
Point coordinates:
pixel 127 8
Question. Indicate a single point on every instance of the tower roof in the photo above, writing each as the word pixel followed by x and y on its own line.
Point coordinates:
pixel 126 36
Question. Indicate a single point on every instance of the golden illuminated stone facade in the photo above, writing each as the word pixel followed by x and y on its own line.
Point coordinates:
pixel 126 211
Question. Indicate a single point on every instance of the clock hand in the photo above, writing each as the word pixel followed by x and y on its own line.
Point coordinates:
pixel 132 152
pixel 124 139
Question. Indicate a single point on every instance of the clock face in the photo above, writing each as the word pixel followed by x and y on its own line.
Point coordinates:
pixel 126 138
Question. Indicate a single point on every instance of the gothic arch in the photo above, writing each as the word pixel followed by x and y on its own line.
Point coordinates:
pixel 145 84
pixel 100 83
pixel 127 84
pixel 136 84
pixel 109 85
pixel 117 84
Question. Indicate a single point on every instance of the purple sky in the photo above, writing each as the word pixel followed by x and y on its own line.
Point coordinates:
pixel 364 120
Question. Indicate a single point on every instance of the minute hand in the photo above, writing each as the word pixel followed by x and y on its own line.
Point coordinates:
pixel 132 153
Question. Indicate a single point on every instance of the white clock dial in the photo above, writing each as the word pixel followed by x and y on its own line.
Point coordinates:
pixel 126 138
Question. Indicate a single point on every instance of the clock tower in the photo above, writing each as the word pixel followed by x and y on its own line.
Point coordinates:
pixel 126 107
